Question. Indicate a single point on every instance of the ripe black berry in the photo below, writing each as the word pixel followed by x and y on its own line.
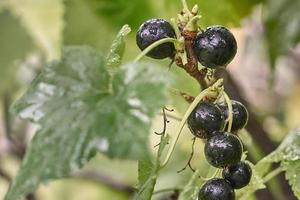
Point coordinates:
pixel 205 119
pixel 223 149
pixel 216 189
pixel 239 114
pixel 238 175
pixel 153 30
pixel 215 47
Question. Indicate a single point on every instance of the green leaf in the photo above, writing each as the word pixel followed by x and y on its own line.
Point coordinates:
pixel 148 172
pixel 191 189
pixel 256 183
pixel 288 154
pixel 147 179
pixel 43 21
pixel 78 115
pixel 292 174
pixel 117 48
pixel 282 24
pixel 288 150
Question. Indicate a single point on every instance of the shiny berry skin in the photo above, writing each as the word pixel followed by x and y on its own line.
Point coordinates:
pixel 205 119
pixel 153 30
pixel 216 189
pixel 239 114
pixel 215 47
pixel 238 175
pixel 223 149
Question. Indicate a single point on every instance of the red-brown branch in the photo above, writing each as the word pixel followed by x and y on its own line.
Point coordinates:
pixel 191 67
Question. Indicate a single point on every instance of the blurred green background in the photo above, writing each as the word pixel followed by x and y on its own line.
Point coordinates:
pixel 266 69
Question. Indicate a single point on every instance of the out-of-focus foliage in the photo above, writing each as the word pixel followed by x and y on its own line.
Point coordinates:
pixel 84 27
pixel 224 12
pixel 282 24
pixel 43 20
pixel 120 12
pixel 15 44
pixel 75 189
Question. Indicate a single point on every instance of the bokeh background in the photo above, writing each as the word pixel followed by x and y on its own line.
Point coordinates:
pixel 265 75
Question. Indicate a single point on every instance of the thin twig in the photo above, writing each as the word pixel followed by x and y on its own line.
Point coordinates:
pixel 170 64
pixel 165 121
pixel 169 115
pixel 188 98
pixel 188 164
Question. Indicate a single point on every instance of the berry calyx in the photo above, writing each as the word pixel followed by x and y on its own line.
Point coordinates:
pixel 223 149
pixel 239 114
pixel 153 30
pixel 216 189
pixel 238 175
pixel 215 47
pixel 205 119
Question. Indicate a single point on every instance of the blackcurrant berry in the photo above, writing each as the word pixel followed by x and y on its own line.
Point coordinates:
pixel 153 30
pixel 223 149
pixel 215 47
pixel 216 189
pixel 205 119
pixel 238 175
pixel 239 114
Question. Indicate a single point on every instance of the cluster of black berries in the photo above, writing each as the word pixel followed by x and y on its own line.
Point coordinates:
pixel 214 47
pixel 222 149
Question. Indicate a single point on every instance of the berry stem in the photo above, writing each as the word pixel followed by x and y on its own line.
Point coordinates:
pixel 153 45
pixel 167 190
pixel 212 92
pixel 266 178
pixel 212 173
pixel 192 25
pixel 272 174
pixel 230 115
pixel 189 163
